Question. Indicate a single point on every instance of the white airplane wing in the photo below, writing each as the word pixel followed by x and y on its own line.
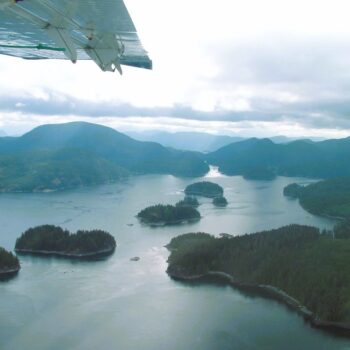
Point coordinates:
pixel 101 30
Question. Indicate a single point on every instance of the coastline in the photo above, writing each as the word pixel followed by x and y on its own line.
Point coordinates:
pixel 168 223
pixel 5 274
pixel 327 216
pixel 272 292
pixel 92 255
pixel 201 194
pixel 310 211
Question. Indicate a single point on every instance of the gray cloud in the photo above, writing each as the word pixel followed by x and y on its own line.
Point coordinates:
pixel 303 81
pixel 331 113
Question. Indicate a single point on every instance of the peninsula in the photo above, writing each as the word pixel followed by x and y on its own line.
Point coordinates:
pixel 53 240
pixel 296 264
pixel 325 198
pixel 160 215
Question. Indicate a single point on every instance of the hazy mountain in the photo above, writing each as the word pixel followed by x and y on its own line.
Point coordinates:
pixel 201 142
pixel 322 159
pixel 286 139
pixel 192 141
pixel 50 156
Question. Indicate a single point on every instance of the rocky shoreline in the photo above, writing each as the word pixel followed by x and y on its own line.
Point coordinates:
pixel 92 255
pixel 264 290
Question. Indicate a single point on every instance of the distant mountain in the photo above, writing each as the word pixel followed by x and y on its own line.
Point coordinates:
pixel 201 142
pixel 67 155
pixel 324 159
pixel 286 139
pixel 192 141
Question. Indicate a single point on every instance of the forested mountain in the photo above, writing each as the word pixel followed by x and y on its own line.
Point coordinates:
pixel 66 155
pixel 324 159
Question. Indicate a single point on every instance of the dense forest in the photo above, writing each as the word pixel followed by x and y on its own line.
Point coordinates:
pixel 220 201
pixel 312 267
pixel 323 159
pixel 8 262
pixel 188 201
pixel 54 239
pixel 329 197
pixel 205 189
pixel 168 214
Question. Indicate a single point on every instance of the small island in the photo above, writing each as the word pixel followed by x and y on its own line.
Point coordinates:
pixel 53 240
pixel 298 265
pixel 220 201
pixel 9 264
pixel 160 215
pixel 188 201
pixel 204 189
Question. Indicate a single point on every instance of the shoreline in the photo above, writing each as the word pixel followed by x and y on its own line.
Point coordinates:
pixel 326 216
pixel 310 211
pixel 201 194
pixel 5 274
pixel 271 291
pixel 168 223
pixel 92 255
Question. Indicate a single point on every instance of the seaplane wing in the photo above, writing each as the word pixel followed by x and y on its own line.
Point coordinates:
pixel 100 30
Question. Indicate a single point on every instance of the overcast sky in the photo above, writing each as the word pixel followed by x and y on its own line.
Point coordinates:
pixel 248 67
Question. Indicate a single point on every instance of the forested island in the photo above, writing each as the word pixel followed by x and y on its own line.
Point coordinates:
pixel 326 198
pixel 188 201
pixel 53 240
pixel 299 265
pixel 205 189
pixel 158 215
pixel 9 264
pixel 220 201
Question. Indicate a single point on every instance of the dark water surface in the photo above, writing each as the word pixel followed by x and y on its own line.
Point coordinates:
pixel 120 304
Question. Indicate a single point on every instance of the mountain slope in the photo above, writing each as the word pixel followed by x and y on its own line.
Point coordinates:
pixel 323 159
pixel 84 153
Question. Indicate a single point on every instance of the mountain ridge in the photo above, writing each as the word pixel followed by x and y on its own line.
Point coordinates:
pixel 50 156
pixel 323 159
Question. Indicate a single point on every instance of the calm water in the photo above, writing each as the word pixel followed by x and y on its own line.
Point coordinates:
pixel 120 304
